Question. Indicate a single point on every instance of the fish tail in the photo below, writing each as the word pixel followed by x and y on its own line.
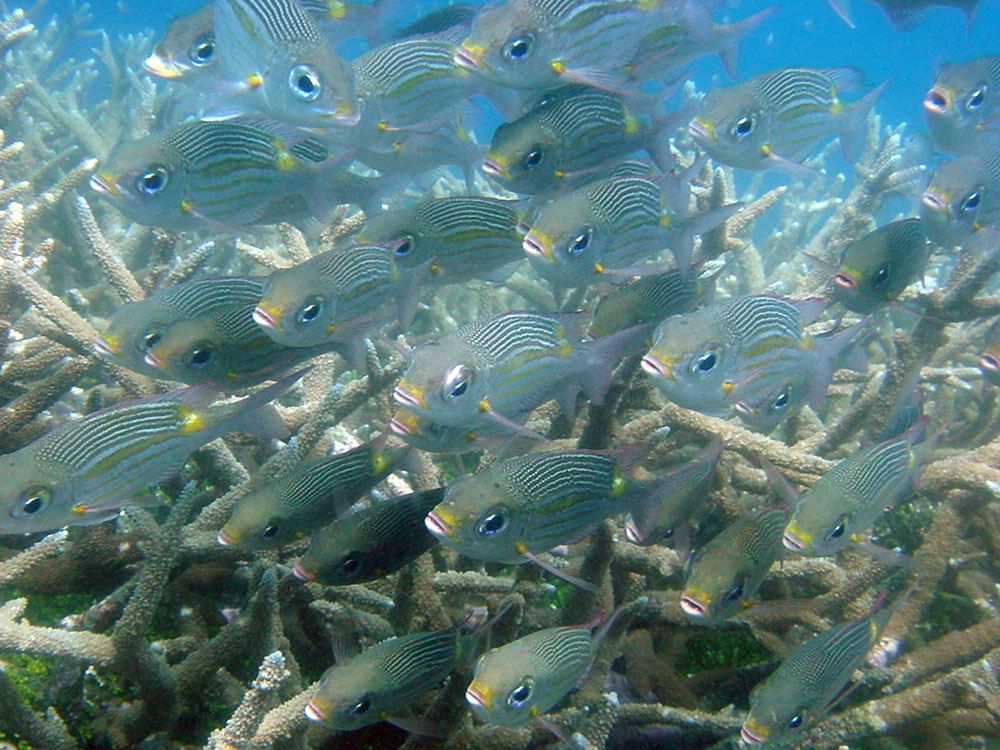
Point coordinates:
pixel 843 9
pixel 256 415
pixel 604 354
pixel 699 224
pixel 853 132
pixel 729 36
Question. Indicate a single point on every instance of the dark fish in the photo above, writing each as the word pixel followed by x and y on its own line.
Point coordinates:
pixel 371 543
pixel 989 360
pixel 876 268
pixel 963 197
pixel 187 47
pixel 963 102
pixel 905 15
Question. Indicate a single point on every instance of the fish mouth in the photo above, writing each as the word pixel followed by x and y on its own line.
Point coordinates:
pixel 398 426
pixel 792 542
pixel 225 540
pixel 495 169
pixel 102 182
pixel 692 606
pixel 537 247
pixel 153 361
pixel 104 347
pixel 701 130
pixel 937 101
pixel 313 713
pixel 161 67
pixel 476 698
pixel 303 575
pixel 345 118
pixel 632 533
pixel 408 398
pixel 267 317
pixel 934 201
pixel 989 362
pixel 653 366
pixel 749 736
pixel 438 527
pixel 844 281
pixel 470 58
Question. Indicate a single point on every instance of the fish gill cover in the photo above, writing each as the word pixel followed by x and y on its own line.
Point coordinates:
pixel 612 373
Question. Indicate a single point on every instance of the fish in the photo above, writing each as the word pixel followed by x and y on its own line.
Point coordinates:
pixel 651 299
pixel 848 499
pixel 729 570
pixel 611 224
pixel 989 360
pixel 679 504
pixel 698 358
pixel 86 470
pixel 500 368
pixel 533 44
pixel 522 506
pixel 458 238
pixel 906 15
pixel 807 684
pixel 452 23
pixel 769 120
pixel 224 175
pixel 381 681
pixel 963 197
pixel 409 82
pixel 875 268
pixel 371 543
pixel 568 134
pixel 307 497
pixel 273 59
pixel 337 296
pixel 525 678
pixel 135 327
pixel 423 434
pixel 187 47
pixel 228 348
pixel 963 103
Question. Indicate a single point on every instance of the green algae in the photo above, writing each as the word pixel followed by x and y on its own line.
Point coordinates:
pixel 731 648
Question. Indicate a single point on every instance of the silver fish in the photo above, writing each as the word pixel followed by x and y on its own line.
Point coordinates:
pixel 963 197
pixel 963 102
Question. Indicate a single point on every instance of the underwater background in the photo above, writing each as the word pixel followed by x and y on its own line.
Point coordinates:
pixel 151 624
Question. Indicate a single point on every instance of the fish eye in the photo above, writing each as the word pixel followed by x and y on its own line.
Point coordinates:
pixel 782 400
pixel 270 531
pixel 705 362
pixel 735 592
pixel 152 181
pixel 310 310
pixel 405 246
pixel 532 158
pixel 971 202
pixel 796 721
pixel 492 523
pixel 35 499
pixel 456 382
pixel 362 706
pixel 200 356
pixel 881 275
pixel 521 694
pixel 149 339
pixel 201 51
pixel 580 243
pixel 976 98
pixel 743 127
pixel 304 82
pixel 519 47
pixel 838 530
pixel 351 564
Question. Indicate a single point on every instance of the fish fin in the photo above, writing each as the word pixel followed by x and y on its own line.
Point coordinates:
pixel 843 9
pixel 419 726
pixel 578 582
pixel 599 78
pixel 698 224
pixel 824 264
pixel 344 647
pixel 884 555
pixel 853 133
pixel 255 414
pixel 557 731
pixel 631 454
pixel 515 427
pixel 845 78
pixel 810 308
pixel 501 274
pixel 603 356
pixel 778 484
pixel 728 38
pixel 665 127
pixel 566 398
pixel 406 301
pixel 795 169
pixel 355 352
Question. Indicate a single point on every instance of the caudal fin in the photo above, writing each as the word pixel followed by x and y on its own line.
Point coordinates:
pixel 853 130
pixel 604 354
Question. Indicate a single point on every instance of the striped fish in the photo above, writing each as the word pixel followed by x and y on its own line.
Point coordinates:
pixel 337 296
pixel 452 22
pixel 409 82
pixel 84 471
pixel 538 44
pixel 963 197
pixel 425 435
pixel 611 224
pixel 522 506
pixel 135 327
pixel 569 133
pixel 371 543
pixel 224 175
pixel 306 498
pixel 525 678
pixel 698 359
pixel 458 237
pixel 275 60
pixel 876 268
pixel 907 14
pixel 770 119
pixel 728 571
pixel 963 104
pixel 989 360
pixel 498 369
pixel 651 298
pixel 228 348
pixel 380 682
pixel 848 499
pixel 809 682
